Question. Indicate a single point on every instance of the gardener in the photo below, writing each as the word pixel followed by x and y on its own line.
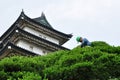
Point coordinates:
pixel 84 41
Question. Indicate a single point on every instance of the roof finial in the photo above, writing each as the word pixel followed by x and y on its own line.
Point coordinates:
pixel 43 15
pixel 22 11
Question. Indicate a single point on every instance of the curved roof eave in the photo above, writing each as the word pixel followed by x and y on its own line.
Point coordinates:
pixel 12 27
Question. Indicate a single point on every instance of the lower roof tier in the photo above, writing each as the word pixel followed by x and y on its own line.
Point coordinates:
pixel 11 49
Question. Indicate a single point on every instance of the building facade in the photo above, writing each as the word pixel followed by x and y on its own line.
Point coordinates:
pixel 29 36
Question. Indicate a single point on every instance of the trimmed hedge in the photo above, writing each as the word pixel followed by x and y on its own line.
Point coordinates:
pixel 99 62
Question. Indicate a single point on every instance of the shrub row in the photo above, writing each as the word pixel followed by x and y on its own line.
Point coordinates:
pixel 90 63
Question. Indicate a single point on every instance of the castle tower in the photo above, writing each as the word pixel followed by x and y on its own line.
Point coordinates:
pixel 29 36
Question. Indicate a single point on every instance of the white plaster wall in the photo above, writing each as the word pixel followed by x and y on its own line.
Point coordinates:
pixel 37 33
pixel 26 45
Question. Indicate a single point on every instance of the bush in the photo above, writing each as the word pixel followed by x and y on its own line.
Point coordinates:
pixel 88 63
pixel 99 43
pixel 24 76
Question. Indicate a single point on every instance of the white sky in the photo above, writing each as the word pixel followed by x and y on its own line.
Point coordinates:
pixel 97 20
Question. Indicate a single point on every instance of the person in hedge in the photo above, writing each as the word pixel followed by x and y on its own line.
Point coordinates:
pixel 84 41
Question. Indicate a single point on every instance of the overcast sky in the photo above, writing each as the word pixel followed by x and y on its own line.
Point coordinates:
pixel 96 20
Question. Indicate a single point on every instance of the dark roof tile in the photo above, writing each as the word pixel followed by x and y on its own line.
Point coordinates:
pixel 42 20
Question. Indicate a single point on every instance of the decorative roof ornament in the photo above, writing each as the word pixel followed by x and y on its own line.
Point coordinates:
pixel 9 47
pixel 22 14
pixel 16 31
pixel 22 10
pixel 22 17
pixel 42 15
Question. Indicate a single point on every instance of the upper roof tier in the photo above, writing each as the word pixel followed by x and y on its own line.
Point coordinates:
pixel 42 20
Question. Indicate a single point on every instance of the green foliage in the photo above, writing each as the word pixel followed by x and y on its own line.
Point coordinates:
pixel 24 76
pixel 99 43
pixel 99 62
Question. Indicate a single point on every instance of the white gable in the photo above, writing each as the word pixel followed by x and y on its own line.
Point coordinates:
pixel 39 34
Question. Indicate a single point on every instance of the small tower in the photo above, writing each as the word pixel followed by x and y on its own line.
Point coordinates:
pixel 29 36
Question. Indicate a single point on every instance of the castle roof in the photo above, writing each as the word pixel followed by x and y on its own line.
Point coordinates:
pixel 42 20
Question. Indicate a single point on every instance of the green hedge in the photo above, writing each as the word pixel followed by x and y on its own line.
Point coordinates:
pixel 99 62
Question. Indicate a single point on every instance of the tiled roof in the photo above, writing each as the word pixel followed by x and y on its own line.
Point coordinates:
pixel 42 20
